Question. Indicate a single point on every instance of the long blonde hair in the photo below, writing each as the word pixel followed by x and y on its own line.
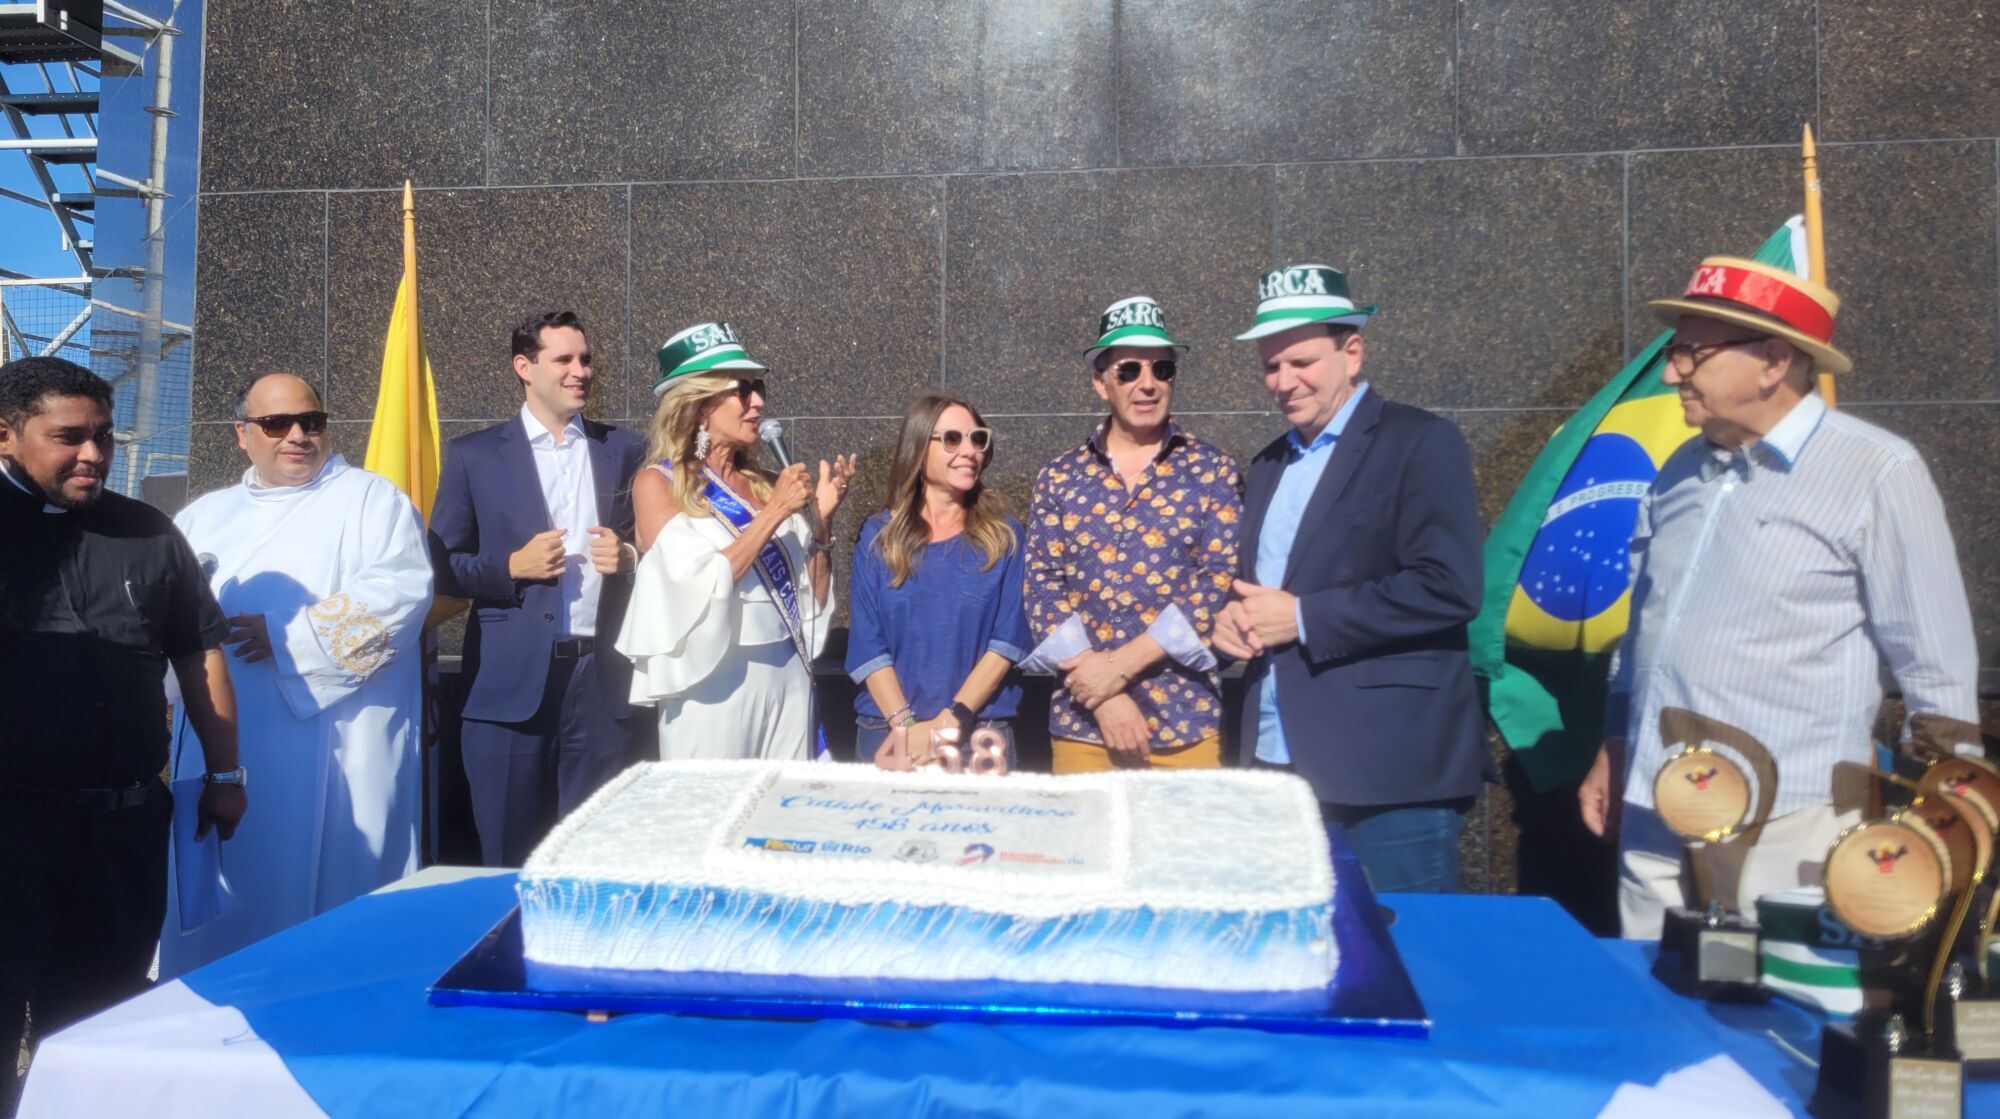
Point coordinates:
pixel 902 541
pixel 683 410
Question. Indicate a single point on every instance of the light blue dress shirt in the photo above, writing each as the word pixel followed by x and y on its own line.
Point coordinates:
pixel 1771 584
pixel 1274 549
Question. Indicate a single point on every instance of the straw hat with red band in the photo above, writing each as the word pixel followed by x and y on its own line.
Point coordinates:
pixel 1767 300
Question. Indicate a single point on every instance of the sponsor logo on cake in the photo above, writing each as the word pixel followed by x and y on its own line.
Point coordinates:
pixel 976 853
pixel 797 846
pixel 1036 858
pixel 1701 778
pixel 918 851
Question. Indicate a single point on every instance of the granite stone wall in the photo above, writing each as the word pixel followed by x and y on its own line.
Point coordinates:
pixel 892 197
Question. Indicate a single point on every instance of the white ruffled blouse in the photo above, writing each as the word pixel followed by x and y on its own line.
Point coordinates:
pixel 687 614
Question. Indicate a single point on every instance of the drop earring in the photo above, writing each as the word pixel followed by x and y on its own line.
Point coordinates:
pixel 701 445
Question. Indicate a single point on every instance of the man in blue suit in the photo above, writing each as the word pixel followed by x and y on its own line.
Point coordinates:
pixel 1360 565
pixel 532 522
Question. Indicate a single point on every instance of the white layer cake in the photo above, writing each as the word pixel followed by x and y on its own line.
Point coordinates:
pixel 1213 880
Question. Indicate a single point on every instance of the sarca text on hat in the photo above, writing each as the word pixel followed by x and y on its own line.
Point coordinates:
pixel 1304 280
pixel 711 334
pixel 1135 312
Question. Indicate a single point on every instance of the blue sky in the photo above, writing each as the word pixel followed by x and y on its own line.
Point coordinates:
pixel 30 240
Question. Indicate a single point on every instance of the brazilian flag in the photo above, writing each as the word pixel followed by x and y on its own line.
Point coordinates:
pixel 1558 584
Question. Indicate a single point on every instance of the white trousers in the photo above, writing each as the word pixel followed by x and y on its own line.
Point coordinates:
pixel 1790 853
pixel 758 703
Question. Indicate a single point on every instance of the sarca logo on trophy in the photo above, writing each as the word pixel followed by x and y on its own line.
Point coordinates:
pixel 1705 794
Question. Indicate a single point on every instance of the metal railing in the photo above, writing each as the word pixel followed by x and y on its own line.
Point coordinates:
pixel 58 318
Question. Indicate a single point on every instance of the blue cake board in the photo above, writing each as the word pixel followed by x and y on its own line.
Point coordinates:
pixel 1372 994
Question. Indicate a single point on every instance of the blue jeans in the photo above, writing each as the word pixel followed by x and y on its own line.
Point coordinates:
pixel 1404 847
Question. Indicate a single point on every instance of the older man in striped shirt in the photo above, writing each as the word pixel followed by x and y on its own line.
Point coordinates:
pixel 1778 562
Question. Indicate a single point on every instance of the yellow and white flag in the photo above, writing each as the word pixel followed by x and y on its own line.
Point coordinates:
pixel 404 445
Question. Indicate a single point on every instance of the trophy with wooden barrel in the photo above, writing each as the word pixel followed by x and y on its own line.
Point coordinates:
pixel 1972 976
pixel 1706 796
pixel 1909 879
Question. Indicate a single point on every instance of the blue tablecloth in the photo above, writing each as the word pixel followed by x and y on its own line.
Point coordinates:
pixel 1533 1016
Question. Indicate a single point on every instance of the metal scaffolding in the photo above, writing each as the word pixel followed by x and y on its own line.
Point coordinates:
pixel 54 57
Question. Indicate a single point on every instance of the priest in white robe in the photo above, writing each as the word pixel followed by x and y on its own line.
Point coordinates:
pixel 322 571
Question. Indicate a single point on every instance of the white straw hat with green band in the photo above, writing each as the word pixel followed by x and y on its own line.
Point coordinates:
pixel 702 348
pixel 1807 954
pixel 1133 321
pixel 1302 294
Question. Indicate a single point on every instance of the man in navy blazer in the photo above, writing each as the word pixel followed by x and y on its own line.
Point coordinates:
pixel 532 522
pixel 1360 562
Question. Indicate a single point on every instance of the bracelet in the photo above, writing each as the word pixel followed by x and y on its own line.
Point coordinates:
pixel 908 710
pixel 821 547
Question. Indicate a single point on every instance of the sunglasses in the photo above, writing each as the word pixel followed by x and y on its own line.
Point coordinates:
pixel 981 437
pixel 278 425
pixel 1163 370
pixel 750 388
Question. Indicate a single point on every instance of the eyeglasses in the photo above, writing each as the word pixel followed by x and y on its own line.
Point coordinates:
pixel 279 424
pixel 982 438
pixel 747 389
pixel 1686 357
pixel 1163 370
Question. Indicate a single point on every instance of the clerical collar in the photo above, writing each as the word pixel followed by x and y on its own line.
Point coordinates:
pixel 47 506
pixel 333 465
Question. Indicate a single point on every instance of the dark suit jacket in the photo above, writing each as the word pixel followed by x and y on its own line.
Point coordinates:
pixel 1378 702
pixel 489 504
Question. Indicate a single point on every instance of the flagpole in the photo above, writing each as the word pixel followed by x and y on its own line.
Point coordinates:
pixel 417 417
pixel 414 423
pixel 1815 238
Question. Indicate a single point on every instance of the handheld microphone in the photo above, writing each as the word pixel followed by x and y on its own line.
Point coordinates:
pixel 772 433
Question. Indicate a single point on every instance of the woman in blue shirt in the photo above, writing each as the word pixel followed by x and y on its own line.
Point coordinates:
pixel 935 596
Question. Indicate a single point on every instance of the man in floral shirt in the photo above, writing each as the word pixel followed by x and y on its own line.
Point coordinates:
pixel 1131 549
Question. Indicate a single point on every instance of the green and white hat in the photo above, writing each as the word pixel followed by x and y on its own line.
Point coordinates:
pixel 1133 321
pixel 1807 954
pixel 699 349
pixel 1298 294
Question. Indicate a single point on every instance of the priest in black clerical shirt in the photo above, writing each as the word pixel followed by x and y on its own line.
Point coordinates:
pixel 99 595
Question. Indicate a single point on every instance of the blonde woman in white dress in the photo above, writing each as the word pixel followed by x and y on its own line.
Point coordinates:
pixel 732 598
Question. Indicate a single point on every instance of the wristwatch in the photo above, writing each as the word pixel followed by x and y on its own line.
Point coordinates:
pixel 962 715
pixel 239 777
